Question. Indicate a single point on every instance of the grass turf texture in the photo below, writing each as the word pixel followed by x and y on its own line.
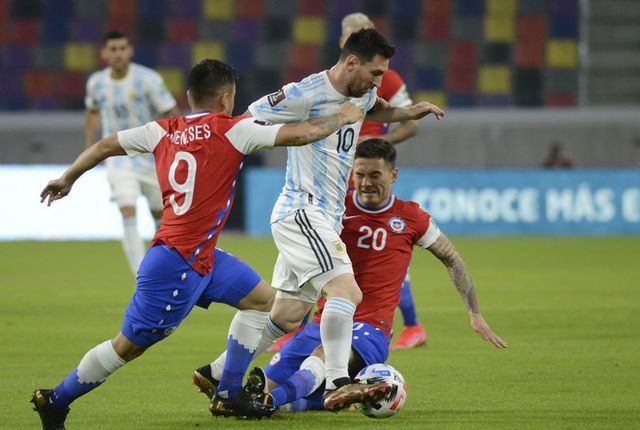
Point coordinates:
pixel 569 308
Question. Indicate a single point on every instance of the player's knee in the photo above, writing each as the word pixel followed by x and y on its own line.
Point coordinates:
pixel 345 287
pixel 126 349
pixel 318 352
pixel 287 323
pixel 259 299
pixel 128 211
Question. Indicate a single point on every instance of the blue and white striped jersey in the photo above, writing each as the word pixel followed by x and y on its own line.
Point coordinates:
pixel 141 96
pixel 317 174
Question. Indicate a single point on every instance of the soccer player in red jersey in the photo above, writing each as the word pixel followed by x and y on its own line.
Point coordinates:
pixel 198 158
pixel 380 232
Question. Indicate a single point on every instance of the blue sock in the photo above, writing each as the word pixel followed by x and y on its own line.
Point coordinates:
pixel 70 389
pixel 406 305
pixel 238 360
pixel 296 387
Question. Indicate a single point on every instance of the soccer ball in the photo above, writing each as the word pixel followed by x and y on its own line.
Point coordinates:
pixel 391 404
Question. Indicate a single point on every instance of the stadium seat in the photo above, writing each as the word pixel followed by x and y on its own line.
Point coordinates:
pixel 501 8
pixel 436 97
pixel 59 10
pixel 49 57
pixel 563 27
pixel 303 58
pixel 202 50
pixel 405 8
pixel 494 79
pixel 560 100
pixel 16 57
pixel 241 56
pixel 250 9
pixel 54 31
pixel 496 53
pixel 125 25
pixel 532 28
pixel 86 30
pixel 24 31
pixel 494 101
pixel 561 81
pixel 89 9
pixel 468 29
pixel 401 62
pixel 150 30
pixel 564 7
pixel 27 9
pixel 429 54
pixel 247 30
pixel 315 8
pixel 146 54
pixel 122 9
pixel 309 30
pixel 527 87
pixel 435 28
pixel 38 83
pixel 11 84
pixel 469 7
pixel 375 7
pixel 462 55
pixel 403 28
pixel 337 9
pixel 499 28
pixel 185 8
pixel 174 78
pixel 182 30
pixel 562 53
pixel 461 81
pixel 529 54
pixel 380 23
pixel 461 100
pixel 79 57
pixel 277 29
pixel 72 84
pixel 428 79
pixel 533 7
pixel 43 103
pixel 272 55
pixel 152 9
pixel 280 8
pixel 219 31
pixel 218 9
pixel 440 8
pixel 174 55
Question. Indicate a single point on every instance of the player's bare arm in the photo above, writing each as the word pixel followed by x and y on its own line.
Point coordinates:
pixel 88 159
pixel 91 124
pixel 384 112
pixel 444 250
pixel 403 131
pixel 318 128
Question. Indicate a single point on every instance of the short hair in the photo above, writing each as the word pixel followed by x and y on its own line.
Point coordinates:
pixel 366 44
pixel 113 34
pixel 208 77
pixel 357 19
pixel 377 149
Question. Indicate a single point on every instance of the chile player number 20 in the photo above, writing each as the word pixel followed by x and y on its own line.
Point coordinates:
pixel 378 238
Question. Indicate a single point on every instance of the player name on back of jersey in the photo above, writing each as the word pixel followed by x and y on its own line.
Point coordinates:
pixel 190 134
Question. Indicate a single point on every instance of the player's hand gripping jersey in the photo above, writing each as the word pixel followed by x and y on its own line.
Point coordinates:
pixel 198 159
pixel 317 174
pixel 380 243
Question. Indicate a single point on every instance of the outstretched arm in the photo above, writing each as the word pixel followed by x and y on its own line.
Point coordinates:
pixel 444 250
pixel 317 128
pixel 89 158
pixel 384 112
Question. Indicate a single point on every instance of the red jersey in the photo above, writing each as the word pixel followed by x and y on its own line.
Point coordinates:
pixel 198 159
pixel 379 243
pixel 392 90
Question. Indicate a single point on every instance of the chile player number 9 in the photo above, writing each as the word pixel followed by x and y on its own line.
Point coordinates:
pixel 187 186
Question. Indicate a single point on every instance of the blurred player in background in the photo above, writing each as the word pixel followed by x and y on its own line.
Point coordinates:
pixel 307 218
pixel 122 96
pixel 394 91
pixel 380 232
pixel 198 158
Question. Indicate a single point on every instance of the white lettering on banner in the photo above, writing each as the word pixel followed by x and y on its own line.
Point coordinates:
pixel 631 205
pixel 581 204
pixel 487 205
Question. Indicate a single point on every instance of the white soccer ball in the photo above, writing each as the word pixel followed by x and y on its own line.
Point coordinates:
pixel 391 404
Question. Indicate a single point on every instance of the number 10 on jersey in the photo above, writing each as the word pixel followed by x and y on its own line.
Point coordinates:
pixel 345 139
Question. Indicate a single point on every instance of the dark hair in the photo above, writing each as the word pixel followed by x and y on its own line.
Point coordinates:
pixel 377 149
pixel 113 34
pixel 207 78
pixel 366 44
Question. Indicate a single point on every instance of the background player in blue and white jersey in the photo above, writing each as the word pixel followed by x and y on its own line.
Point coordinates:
pixel 306 220
pixel 121 96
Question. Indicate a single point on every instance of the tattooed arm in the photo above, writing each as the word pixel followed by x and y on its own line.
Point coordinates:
pixel 318 128
pixel 444 250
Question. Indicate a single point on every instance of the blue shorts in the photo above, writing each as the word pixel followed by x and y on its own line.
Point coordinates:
pixel 368 341
pixel 168 288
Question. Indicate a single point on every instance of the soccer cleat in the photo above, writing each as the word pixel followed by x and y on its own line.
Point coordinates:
pixel 283 340
pixel 349 394
pixel 410 337
pixel 205 382
pixel 240 406
pixel 52 418
pixel 256 386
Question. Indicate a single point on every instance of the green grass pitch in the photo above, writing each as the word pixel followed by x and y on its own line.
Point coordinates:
pixel 568 307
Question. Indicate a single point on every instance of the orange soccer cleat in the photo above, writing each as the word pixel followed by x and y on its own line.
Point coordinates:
pixel 410 337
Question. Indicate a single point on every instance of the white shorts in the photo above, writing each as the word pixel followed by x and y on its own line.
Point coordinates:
pixel 311 254
pixel 127 184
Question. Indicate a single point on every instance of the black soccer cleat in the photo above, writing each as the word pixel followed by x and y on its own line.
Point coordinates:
pixel 240 406
pixel 51 417
pixel 256 387
pixel 205 382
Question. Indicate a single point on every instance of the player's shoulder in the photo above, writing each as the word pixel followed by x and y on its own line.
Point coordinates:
pixel 99 76
pixel 409 209
pixel 144 71
pixel 307 87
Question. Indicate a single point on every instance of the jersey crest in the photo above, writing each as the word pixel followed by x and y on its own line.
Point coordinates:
pixel 397 224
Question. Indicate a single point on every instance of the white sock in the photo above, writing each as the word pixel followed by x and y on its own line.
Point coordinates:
pixel 336 326
pixel 316 366
pixel 270 334
pixel 132 243
pixel 98 363
pixel 247 326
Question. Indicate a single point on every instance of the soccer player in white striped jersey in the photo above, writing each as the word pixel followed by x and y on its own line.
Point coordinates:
pixel 121 96
pixel 306 220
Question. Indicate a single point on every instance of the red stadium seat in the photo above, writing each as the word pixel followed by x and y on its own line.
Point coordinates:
pixel 38 83
pixel 250 9
pixel 436 28
pixel 183 30
pixel 122 9
pixel 560 100
pixel 311 7
pixel 439 8
pixel 529 53
pixel 303 57
pixel 462 55
pixel 25 31
pixel 71 84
